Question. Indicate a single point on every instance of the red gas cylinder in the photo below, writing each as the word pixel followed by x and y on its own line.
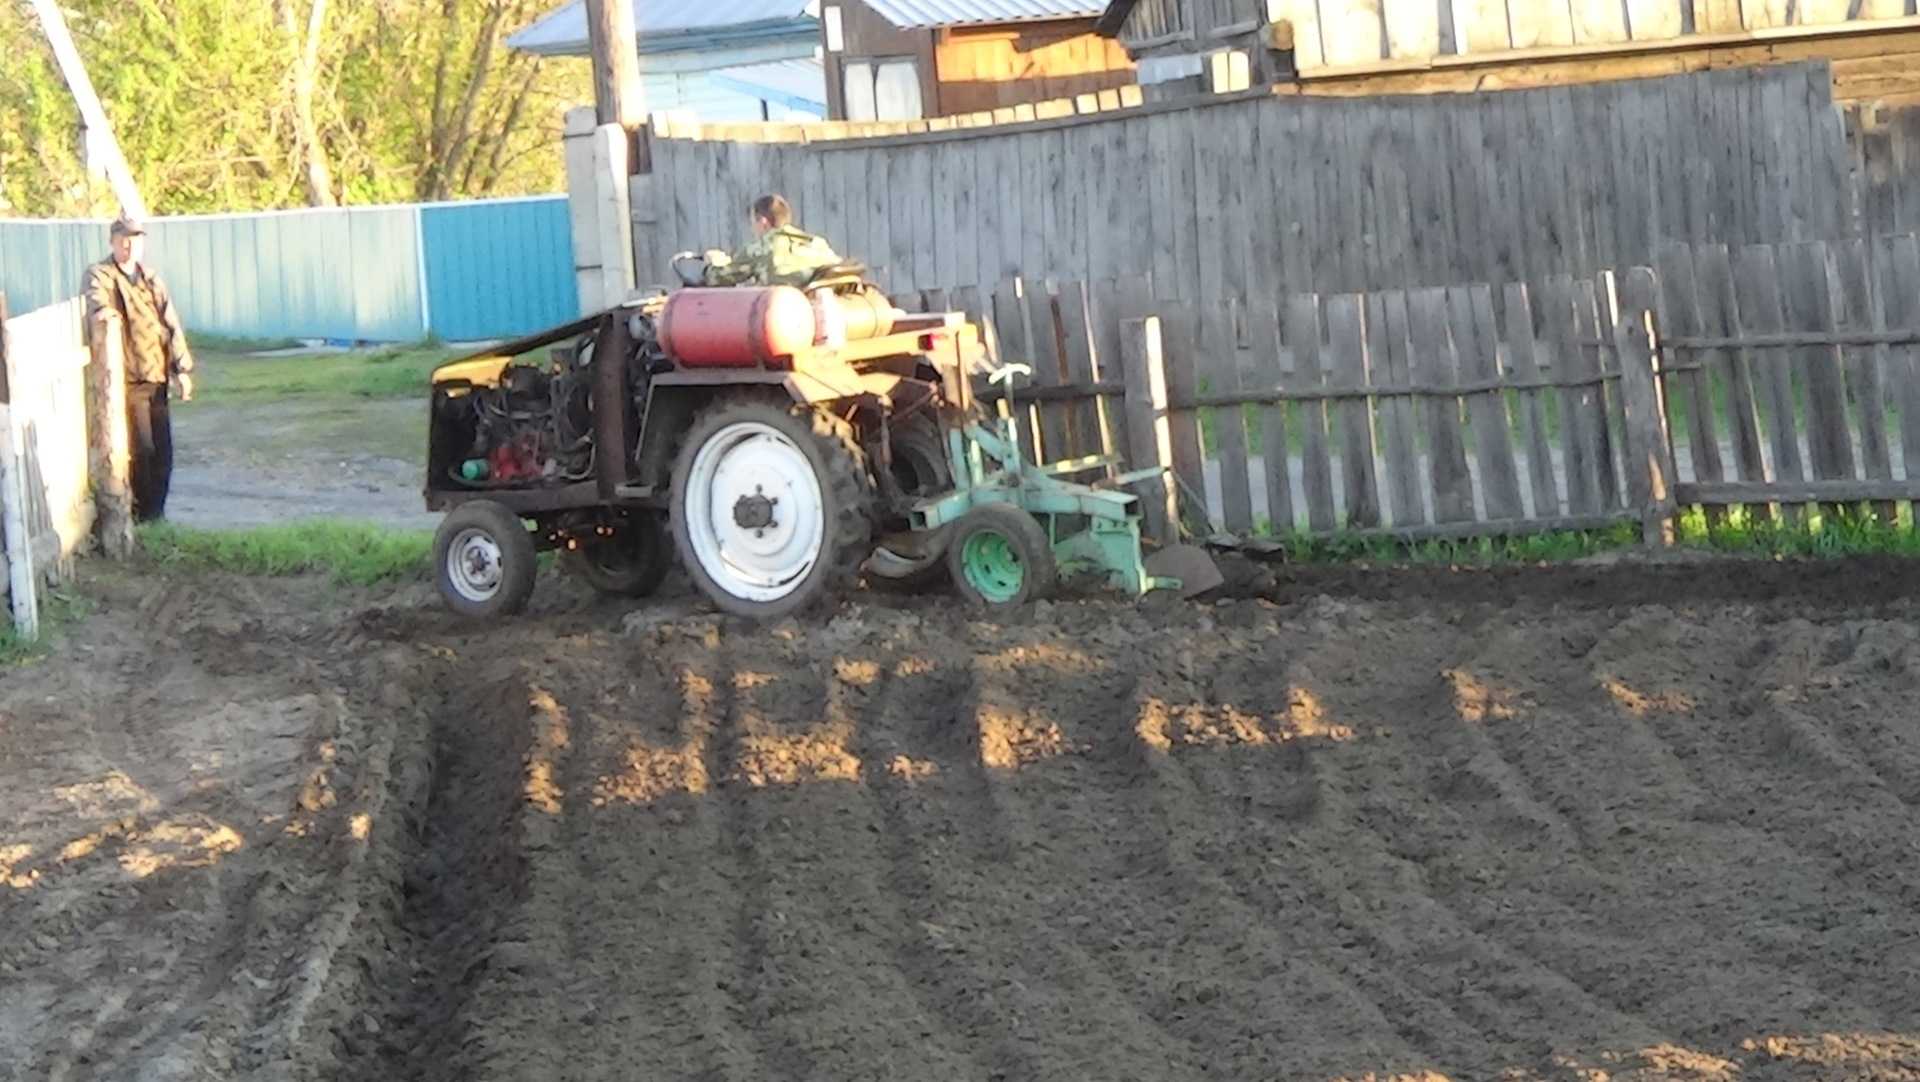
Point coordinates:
pixel 736 327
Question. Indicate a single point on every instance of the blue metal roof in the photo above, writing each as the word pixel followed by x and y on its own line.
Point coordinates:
pixel 910 14
pixel 796 84
pixel 663 25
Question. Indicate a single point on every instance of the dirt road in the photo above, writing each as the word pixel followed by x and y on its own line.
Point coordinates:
pixel 1566 824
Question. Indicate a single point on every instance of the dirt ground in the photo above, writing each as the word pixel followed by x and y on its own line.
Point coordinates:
pixel 1569 824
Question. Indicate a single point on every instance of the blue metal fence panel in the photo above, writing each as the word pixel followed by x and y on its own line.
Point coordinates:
pixel 487 269
pixel 42 263
pixel 498 269
pixel 342 273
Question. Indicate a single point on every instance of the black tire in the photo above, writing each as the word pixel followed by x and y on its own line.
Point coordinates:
pixel 819 571
pixel 483 559
pixel 1000 557
pixel 631 563
pixel 920 467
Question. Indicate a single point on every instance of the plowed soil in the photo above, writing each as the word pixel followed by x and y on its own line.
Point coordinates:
pixel 1583 823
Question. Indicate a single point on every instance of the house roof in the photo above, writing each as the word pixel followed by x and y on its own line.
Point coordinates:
pixel 917 14
pixel 1114 17
pixel 796 84
pixel 563 31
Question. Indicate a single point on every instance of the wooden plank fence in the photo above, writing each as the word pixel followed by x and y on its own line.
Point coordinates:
pixel 1794 374
pixel 1778 377
pixel 46 511
pixel 1264 194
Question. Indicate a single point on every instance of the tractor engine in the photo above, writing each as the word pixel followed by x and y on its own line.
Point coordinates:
pixel 534 427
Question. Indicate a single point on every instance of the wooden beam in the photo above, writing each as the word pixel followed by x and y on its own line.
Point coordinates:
pixel 615 47
pixel 1732 492
pixel 99 128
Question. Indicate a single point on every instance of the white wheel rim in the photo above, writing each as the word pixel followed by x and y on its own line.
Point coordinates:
pixel 754 561
pixel 475 565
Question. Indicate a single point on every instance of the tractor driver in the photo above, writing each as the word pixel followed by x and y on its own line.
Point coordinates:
pixel 780 252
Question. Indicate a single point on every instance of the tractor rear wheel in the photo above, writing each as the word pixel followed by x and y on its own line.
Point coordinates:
pixel 484 561
pixel 1000 556
pixel 630 563
pixel 772 507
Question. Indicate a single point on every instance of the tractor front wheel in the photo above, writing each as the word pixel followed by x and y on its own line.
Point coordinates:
pixel 772 507
pixel 1000 557
pixel 484 561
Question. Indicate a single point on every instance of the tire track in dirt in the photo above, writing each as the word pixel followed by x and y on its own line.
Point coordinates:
pixel 1448 986
pixel 1806 810
pixel 1265 948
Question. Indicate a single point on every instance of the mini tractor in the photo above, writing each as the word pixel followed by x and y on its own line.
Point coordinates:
pixel 783 441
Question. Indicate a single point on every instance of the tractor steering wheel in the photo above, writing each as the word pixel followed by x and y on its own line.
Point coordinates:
pixel 680 264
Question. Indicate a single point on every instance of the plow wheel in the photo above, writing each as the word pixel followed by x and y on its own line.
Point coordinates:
pixel 1000 556
pixel 772 508
pixel 631 563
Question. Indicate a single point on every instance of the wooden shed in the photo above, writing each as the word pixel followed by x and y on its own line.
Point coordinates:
pixel 1366 47
pixel 914 59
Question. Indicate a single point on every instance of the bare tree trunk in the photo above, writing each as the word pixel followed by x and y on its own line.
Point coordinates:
pixel 306 72
pixel 109 454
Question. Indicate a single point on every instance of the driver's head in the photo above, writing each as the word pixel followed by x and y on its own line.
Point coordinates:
pixel 769 212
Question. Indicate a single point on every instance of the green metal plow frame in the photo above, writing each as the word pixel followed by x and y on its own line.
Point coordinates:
pixel 988 467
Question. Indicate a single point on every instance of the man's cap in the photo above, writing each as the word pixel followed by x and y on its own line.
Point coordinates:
pixel 126 226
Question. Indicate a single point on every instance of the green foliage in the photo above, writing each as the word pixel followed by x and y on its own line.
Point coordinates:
pixel 402 100
pixel 352 553
pixel 1558 545
pixel 1843 531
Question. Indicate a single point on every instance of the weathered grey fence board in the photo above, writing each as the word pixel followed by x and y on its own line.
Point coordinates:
pixel 1387 339
pixel 1809 307
pixel 1348 370
pixel 1857 308
pixel 1902 300
pixel 1720 315
pixel 1180 332
pixel 1680 317
pixel 1525 366
pixel 1219 356
pixel 1092 434
pixel 1593 320
pixel 1471 312
pixel 1263 335
pixel 1435 364
pixel 1579 443
pixel 1044 349
pixel 1757 280
pixel 1300 336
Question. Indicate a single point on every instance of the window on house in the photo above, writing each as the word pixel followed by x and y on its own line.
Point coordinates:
pixel 882 89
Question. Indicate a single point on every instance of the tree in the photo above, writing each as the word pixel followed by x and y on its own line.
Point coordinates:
pixel 239 105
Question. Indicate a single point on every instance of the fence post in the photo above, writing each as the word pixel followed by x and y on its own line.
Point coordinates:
pixel 22 593
pixel 1649 442
pixel 108 455
pixel 1149 427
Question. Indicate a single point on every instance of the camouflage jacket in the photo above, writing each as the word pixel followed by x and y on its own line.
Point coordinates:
pixel 154 342
pixel 785 256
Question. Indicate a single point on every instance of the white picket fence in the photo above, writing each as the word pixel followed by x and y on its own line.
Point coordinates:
pixel 44 494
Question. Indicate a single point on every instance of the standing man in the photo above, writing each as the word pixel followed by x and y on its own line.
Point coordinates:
pixel 125 297
pixel 780 252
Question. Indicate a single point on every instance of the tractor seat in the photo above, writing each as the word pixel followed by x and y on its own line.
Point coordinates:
pixel 845 272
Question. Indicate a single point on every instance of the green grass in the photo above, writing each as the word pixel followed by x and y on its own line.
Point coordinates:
pixel 60 607
pixel 388 372
pixel 351 553
pixel 1846 531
